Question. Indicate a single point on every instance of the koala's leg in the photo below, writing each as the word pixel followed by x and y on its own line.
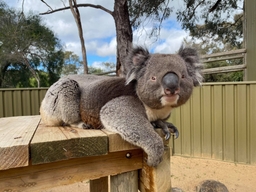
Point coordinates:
pixel 165 126
pixel 61 104
pixel 126 116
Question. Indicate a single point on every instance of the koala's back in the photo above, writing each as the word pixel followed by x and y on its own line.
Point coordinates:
pixel 95 92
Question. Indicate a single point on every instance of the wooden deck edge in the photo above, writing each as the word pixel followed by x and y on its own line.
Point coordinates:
pixel 38 177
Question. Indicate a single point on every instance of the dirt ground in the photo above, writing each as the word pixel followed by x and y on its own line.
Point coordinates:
pixel 187 173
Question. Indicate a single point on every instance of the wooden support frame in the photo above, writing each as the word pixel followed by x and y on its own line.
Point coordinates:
pixel 54 156
pixel 38 177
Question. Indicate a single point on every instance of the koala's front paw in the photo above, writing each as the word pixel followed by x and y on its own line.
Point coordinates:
pixel 154 161
pixel 165 126
pixel 155 153
pixel 81 125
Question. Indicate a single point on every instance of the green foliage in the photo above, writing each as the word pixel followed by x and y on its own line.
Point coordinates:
pixel 27 47
pixel 218 20
pixel 218 27
pixel 105 67
pixel 154 11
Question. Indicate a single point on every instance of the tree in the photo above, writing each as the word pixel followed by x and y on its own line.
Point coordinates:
pixel 216 20
pixel 105 68
pixel 26 41
pixel 72 64
pixel 128 14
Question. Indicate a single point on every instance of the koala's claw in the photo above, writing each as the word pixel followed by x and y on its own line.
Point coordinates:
pixel 176 134
pixel 87 126
pixel 167 129
pixel 167 136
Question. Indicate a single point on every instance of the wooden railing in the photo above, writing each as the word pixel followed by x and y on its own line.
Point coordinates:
pixel 215 57
pixel 228 55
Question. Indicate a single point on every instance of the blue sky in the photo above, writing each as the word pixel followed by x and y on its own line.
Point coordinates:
pixel 99 29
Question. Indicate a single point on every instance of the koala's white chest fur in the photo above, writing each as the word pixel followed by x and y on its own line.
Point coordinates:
pixel 155 114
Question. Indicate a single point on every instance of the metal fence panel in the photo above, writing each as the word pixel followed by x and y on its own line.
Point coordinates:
pixel 218 122
pixel 18 102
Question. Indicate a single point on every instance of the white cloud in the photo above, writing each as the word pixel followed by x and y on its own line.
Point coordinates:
pixel 107 49
pixel 97 24
pixel 171 40
pixel 168 41
pixel 99 28
pixel 73 46
pixel 97 64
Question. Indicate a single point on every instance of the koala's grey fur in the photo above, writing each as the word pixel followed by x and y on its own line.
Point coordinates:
pixel 153 85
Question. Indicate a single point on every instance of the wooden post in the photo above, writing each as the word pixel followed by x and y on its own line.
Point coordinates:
pixel 99 185
pixel 157 179
pixel 124 182
pixel 250 39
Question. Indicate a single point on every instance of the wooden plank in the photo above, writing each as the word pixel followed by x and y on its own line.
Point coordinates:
pixel 99 185
pixel 38 177
pixel 157 179
pixel 226 53
pixel 225 69
pixel 124 182
pixel 116 143
pixel 223 58
pixel 15 135
pixel 59 143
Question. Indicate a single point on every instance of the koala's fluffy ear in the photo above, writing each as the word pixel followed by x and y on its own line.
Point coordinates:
pixel 191 58
pixel 134 64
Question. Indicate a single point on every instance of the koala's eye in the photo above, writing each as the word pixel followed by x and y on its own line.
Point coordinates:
pixel 183 76
pixel 153 78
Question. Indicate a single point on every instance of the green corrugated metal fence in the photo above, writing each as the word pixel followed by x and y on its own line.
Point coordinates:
pixel 18 102
pixel 218 122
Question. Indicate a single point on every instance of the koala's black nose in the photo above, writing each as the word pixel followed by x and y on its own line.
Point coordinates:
pixel 170 83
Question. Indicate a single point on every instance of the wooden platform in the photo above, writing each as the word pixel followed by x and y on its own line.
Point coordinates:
pixel 35 157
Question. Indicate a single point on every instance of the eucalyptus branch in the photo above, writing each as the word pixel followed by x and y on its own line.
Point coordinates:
pixel 31 69
pixel 75 11
pixel 79 5
pixel 194 9
pixel 47 5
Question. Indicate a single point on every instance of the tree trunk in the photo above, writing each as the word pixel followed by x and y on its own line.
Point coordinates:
pixel 123 32
pixel 76 14
pixel 2 73
pixel 34 73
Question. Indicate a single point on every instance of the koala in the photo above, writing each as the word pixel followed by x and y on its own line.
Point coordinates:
pixel 151 87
